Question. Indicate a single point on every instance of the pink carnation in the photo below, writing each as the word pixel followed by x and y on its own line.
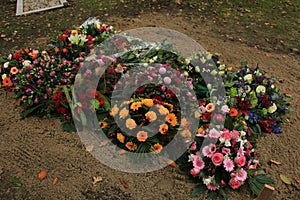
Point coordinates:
pixel 235 135
pixel 213 133
pixel 226 135
pixel 225 151
pixel 228 164
pixel 195 172
pixel 211 186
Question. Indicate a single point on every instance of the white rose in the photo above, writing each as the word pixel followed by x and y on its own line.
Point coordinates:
pixel 26 63
pixel 260 89
pixel 4 76
pixel 6 65
pixel 248 78
pixel 272 108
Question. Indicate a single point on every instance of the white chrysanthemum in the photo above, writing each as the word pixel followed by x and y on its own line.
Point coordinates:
pixel 261 89
pixel 4 76
pixel 248 78
pixel 272 108
pixel 78 39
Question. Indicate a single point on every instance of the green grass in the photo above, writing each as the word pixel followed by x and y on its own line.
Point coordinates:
pixel 271 25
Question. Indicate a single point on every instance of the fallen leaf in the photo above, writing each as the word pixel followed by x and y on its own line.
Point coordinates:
pixel 55 180
pixel 178 2
pixel 51 123
pixel 104 143
pixel 285 179
pixel 89 148
pixel 122 152
pixel 298 116
pixel 42 175
pixel 97 179
pixel 122 181
pixel 298 181
pixel 275 162
pixel 172 163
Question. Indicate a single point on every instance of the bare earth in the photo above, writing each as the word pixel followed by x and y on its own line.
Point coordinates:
pixel 30 5
pixel 30 145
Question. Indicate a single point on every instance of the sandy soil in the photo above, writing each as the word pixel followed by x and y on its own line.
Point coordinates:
pixel 32 144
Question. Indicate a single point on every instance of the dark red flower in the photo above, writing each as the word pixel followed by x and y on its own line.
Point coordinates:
pixel 61 110
pixel 265 100
pixel 266 124
pixel 242 105
pixel 206 116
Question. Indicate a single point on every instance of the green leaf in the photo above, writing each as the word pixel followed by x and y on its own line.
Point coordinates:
pixel 285 179
pixel 212 195
pixel 16 182
pixel 264 179
pixel 223 194
pixel 30 111
pixel 106 104
pixel 254 99
pixel 197 191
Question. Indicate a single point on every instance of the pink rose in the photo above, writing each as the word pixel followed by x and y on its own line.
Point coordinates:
pixel 195 172
pixel 234 184
pixel 235 135
pixel 217 159
pixel 240 161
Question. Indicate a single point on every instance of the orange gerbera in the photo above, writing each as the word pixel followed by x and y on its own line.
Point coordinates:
pixel 121 137
pixel 123 113
pixel 156 148
pixel 14 70
pixel 233 112
pixel 135 105
pixel 169 105
pixel 103 124
pixel 151 116
pixel 114 110
pixel 210 107
pixel 130 124
pixel 163 110
pixel 147 102
pixel 163 129
pixel 131 146
pixel 142 136
pixel 7 82
pixel 171 119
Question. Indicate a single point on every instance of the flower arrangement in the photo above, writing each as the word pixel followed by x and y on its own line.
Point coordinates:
pixel 222 154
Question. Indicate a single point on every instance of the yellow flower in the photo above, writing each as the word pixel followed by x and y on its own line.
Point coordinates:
pixel 163 110
pixel 163 129
pixel 135 106
pixel 131 146
pixel 142 136
pixel 151 116
pixel 123 113
pixel 200 130
pixel 103 124
pixel 147 102
pixel 74 32
pixel 171 119
pixel 272 108
pixel 121 137
pixel 114 110
pixel 130 124
pixel 169 105
pixel 156 148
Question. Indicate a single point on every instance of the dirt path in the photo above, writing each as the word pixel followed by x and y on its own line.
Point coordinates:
pixel 30 145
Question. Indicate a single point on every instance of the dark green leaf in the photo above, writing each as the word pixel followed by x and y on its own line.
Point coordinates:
pixel 223 194
pixel 197 191
pixel 212 195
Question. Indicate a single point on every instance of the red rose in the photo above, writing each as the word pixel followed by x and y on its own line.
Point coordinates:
pixel 217 159
pixel 61 110
pixel 101 101
pixel 234 184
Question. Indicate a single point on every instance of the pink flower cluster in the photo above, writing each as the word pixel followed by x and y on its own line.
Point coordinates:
pixel 232 155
